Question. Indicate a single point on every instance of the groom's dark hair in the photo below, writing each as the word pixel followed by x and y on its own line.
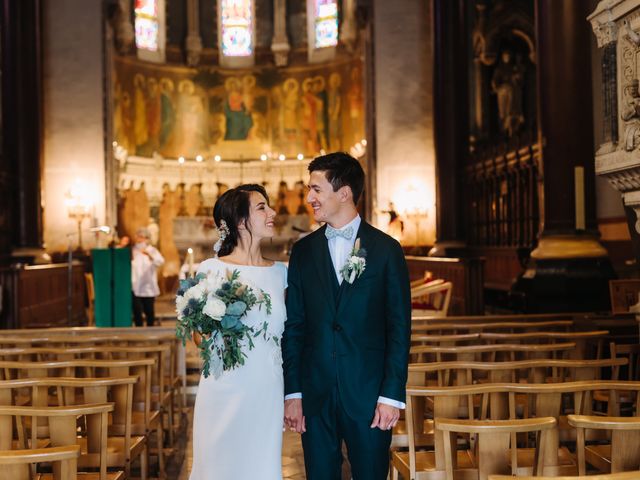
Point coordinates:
pixel 234 207
pixel 341 169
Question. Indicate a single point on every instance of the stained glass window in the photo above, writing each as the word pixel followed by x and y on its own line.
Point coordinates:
pixel 326 23
pixel 236 25
pixel 147 25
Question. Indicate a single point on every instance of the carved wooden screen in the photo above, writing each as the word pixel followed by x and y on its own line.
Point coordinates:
pixel 502 198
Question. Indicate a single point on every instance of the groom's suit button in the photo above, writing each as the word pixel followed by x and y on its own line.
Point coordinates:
pixel 337 327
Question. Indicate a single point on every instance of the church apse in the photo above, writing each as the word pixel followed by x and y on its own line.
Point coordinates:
pixel 182 136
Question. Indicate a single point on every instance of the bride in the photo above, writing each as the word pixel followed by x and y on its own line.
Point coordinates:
pixel 238 417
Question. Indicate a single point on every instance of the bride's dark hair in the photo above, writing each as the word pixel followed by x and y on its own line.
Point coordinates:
pixel 233 207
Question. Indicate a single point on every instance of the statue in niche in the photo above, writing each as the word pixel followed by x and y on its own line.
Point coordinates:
pixel 506 83
pixel 631 115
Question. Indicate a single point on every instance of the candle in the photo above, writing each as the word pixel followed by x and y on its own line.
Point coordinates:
pixel 190 261
pixel 579 198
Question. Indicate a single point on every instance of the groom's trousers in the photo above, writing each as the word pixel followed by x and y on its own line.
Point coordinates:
pixel 367 448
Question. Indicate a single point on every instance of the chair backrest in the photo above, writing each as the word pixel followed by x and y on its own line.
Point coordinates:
pixel 16 464
pixel 450 325
pixel 606 476
pixel 62 427
pixel 632 353
pixel 509 351
pixel 432 298
pixel 496 439
pixel 532 371
pixel 625 440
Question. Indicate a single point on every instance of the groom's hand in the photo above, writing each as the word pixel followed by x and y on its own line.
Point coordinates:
pixel 293 417
pixel 385 417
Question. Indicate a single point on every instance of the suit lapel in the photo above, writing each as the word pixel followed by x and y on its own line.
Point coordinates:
pixel 366 242
pixel 326 274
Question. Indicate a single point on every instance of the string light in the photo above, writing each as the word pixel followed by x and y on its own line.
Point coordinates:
pixel 217 158
pixel 181 160
pixel 199 158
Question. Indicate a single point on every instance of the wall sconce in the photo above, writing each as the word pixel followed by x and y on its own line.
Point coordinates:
pixel 411 203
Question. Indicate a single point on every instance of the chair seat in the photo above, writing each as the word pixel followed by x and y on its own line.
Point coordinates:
pixel 599 456
pixel 567 464
pixel 399 437
pixel 426 462
pixel 115 451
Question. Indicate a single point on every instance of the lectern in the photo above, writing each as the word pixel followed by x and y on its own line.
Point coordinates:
pixel 112 283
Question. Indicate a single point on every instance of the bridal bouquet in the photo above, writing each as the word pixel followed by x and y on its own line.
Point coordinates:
pixel 213 306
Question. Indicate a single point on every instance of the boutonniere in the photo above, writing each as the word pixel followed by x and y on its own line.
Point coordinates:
pixel 355 265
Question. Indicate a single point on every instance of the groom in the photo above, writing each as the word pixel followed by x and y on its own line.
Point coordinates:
pixel 346 339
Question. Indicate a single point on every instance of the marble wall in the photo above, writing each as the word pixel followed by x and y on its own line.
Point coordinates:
pixel 404 117
pixel 73 113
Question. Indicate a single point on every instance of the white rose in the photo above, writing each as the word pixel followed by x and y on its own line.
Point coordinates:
pixel 214 308
pixel 196 292
pixel 181 303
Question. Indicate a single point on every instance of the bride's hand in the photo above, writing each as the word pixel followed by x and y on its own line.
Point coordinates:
pixel 197 338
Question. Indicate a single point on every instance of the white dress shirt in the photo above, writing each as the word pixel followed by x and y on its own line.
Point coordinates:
pixel 144 277
pixel 339 249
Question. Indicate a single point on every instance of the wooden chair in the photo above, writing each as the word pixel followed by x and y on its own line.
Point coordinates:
pixel 17 464
pixel 621 455
pixel 126 445
pixel 607 476
pixel 161 398
pixel 495 440
pixel 63 429
pixel 454 326
pixel 432 298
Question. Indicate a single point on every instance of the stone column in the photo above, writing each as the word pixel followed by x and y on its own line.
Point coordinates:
pixel 280 43
pixel 193 43
pixel 569 269
pixel 22 129
pixel 451 122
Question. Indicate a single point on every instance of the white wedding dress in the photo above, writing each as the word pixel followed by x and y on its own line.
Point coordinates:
pixel 238 417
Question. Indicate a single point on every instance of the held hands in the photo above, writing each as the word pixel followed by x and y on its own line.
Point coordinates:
pixel 385 417
pixel 293 417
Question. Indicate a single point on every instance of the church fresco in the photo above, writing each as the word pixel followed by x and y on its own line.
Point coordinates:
pixel 238 114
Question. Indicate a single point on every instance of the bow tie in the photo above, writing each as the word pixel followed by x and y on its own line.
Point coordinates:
pixel 331 232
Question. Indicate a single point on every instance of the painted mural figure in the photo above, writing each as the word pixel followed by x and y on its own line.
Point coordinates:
pixel 238 116
pixel 141 133
pixel 354 99
pixel 321 111
pixel 309 117
pixel 191 131
pixel 290 88
pixel 167 110
pixel 335 111
pixel 153 105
